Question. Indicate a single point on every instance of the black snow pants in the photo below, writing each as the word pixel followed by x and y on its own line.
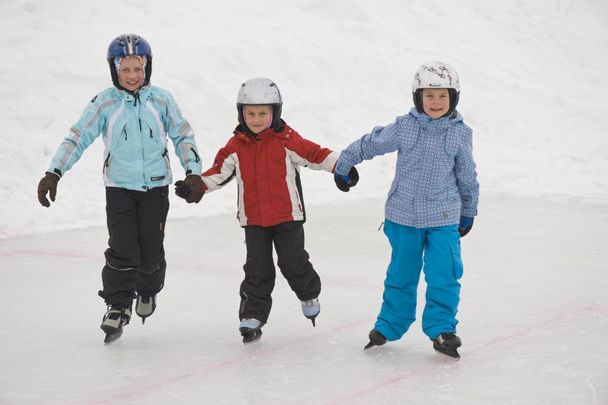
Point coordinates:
pixel 135 258
pixel 292 259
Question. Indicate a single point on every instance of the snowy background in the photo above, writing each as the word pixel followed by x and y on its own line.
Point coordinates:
pixel 533 79
pixel 534 310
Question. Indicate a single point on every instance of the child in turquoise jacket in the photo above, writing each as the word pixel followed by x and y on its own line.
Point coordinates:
pixel 136 121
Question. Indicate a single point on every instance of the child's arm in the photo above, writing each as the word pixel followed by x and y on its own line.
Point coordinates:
pixel 223 169
pixel 306 153
pixel 180 132
pixel 82 134
pixel 466 177
pixel 380 141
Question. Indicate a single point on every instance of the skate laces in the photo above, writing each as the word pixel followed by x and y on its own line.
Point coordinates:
pixel 448 337
pixel 116 313
pixel 310 303
pixel 311 308
pixel 250 323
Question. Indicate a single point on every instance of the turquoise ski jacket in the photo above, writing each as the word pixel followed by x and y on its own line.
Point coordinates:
pixel 135 131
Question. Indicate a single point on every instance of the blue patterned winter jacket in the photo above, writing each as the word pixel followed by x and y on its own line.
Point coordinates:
pixel 435 181
pixel 135 133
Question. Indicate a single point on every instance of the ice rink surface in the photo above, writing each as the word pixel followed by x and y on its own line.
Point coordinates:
pixel 533 317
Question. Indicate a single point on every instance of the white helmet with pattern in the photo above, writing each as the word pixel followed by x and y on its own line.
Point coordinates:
pixel 436 75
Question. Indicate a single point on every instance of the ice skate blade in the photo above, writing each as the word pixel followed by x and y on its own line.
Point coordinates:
pixel 369 345
pixel 250 336
pixel 454 355
pixel 375 339
pixel 112 338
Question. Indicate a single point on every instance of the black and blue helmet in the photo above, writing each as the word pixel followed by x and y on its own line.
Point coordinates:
pixel 129 45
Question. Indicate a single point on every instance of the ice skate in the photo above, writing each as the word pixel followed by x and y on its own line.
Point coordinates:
pixel 113 322
pixel 375 339
pixel 251 330
pixel 145 306
pixel 447 343
pixel 311 309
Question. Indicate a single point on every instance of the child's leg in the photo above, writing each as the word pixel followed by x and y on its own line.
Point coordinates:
pixel 152 216
pixel 400 286
pixel 258 284
pixel 293 261
pixel 122 255
pixel 442 270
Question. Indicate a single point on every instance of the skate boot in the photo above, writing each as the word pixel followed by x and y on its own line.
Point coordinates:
pixel 311 309
pixel 447 343
pixel 145 306
pixel 251 330
pixel 375 339
pixel 113 321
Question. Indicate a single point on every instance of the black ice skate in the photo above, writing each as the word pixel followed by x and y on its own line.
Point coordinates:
pixel 113 322
pixel 447 343
pixel 251 330
pixel 311 309
pixel 145 306
pixel 375 339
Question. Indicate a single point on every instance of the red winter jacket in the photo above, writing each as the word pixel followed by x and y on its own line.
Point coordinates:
pixel 267 168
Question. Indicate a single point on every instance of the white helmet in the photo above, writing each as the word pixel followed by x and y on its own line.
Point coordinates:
pixel 259 91
pixel 436 75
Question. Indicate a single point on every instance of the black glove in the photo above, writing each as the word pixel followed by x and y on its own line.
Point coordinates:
pixel 344 183
pixel 181 189
pixel 48 184
pixel 465 225
pixel 191 188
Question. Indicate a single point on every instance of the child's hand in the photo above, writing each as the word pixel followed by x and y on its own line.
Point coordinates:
pixel 182 190
pixel 190 189
pixel 345 182
pixel 48 184
pixel 465 225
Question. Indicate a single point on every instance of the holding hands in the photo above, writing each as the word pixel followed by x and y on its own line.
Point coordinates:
pixel 345 182
pixel 191 188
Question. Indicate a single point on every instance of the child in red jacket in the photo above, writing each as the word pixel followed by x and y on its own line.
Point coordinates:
pixel 265 156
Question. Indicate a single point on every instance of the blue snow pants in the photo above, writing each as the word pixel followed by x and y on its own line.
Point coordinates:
pixel 437 252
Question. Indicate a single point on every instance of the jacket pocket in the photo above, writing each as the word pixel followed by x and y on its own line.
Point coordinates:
pixel 393 189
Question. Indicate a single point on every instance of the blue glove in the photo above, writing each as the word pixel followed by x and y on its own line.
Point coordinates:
pixel 345 181
pixel 465 225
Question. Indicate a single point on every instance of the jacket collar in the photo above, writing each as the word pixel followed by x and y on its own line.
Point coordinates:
pixel 139 96
pixel 443 122
pixel 244 134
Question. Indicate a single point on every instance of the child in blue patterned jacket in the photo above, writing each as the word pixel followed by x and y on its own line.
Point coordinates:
pixel 430 206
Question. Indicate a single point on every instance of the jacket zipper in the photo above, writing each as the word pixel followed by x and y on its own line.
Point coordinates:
pixel 106 163
pixel 197 159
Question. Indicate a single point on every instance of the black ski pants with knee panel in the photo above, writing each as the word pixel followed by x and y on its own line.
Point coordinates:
pixel 292 259
pixel 135 258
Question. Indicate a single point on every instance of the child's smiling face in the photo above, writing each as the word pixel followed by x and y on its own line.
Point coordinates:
pixel 257 117
pixel 131 73
pixel 435 102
